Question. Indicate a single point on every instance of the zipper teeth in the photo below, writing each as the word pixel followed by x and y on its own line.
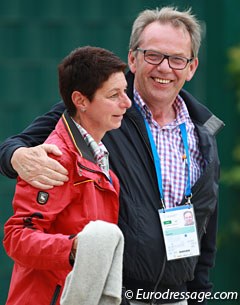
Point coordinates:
pixel 164 259
pixel 152 302
pixel 93 171
pixel 88 169
pixel 204 228
pixel 55 295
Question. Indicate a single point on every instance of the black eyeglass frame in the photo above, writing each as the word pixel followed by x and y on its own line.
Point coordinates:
pixel 188 60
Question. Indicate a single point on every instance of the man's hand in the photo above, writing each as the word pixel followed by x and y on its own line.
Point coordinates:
pixel 35 167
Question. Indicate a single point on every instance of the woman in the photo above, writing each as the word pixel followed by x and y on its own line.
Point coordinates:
pixel 40 236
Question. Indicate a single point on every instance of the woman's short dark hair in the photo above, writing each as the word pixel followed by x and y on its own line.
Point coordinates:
pixel 85 69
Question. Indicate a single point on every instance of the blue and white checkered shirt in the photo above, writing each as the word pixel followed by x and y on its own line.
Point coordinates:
pixel 170 149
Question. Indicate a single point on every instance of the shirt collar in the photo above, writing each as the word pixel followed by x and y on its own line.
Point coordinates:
pixel 96 148
pixel 179 107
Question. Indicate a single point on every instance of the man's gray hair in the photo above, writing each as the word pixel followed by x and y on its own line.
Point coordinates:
pixel 165 15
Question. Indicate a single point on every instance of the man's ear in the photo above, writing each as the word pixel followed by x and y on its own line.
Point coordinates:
pixel 132 60
pixel 192 69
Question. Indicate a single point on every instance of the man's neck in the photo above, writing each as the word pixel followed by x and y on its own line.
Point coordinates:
pixel 163 115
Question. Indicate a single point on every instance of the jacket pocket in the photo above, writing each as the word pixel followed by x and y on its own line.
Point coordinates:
pixel 55 295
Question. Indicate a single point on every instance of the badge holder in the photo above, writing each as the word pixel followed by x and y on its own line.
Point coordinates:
pixel 180 231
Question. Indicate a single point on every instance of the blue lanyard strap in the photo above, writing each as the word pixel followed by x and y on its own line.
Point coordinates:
pixel 156 162
pixel 188 192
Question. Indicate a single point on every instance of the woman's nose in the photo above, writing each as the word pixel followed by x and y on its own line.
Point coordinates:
pixel 126 102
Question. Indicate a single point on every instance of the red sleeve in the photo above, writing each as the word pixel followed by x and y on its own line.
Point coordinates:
pixel 27 239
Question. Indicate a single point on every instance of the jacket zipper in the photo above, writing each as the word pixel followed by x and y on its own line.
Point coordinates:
pixel 153 300
pixel 165 258
pixel 55 295
pixel 88 169
pixel 204 228
pixel 93 171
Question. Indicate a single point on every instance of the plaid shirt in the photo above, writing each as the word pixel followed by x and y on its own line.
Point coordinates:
pixel 99 151
pixel 171 152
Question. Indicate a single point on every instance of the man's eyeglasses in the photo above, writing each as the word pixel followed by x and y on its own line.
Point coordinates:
pixel 156 58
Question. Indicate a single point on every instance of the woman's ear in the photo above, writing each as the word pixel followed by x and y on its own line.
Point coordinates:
pixel 79 100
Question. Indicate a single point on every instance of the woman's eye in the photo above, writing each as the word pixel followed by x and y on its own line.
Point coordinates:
pixel 114 95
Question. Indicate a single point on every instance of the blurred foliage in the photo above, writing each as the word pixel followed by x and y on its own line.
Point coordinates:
pixel 232 176
pixel 234 70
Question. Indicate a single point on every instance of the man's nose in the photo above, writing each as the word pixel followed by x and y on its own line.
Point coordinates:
pixel 164 64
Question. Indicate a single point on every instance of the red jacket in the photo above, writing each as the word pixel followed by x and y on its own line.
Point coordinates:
pixel 38 237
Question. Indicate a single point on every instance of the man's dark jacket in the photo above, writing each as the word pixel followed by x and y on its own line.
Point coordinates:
pixel 145 265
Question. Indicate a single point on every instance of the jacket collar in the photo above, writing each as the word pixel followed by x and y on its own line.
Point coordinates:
pixel 76 137
pixel 198 112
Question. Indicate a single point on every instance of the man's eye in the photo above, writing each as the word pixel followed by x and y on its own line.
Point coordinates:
pixel 153 56
pixel 178 60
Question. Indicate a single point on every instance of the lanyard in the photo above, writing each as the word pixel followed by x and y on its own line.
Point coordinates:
pixel 157 162
pixel 188 192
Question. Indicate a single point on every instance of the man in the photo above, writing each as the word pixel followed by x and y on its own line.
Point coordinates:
pixel 158 168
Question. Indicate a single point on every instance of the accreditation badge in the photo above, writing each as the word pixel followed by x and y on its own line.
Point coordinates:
pixel 180 232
